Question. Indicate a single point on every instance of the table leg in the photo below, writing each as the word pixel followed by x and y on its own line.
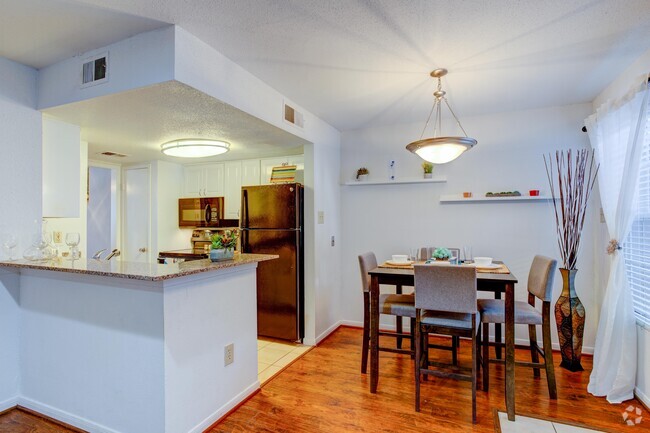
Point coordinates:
pixel 510 350
pixel 374 333
pixel 497 331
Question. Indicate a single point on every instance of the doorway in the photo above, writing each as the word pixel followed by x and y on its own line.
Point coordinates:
pixel 137 214
pixel 103 222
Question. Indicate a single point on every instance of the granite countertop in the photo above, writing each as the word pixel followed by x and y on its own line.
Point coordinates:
pixel 137 271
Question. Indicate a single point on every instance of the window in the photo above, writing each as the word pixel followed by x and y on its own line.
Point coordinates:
pixel 637 245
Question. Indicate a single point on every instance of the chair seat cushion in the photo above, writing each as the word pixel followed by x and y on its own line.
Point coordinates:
pixel 448 319
pixel 397 305
pixel 493 311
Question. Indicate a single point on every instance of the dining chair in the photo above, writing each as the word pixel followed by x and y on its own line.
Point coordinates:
pixel 398 305
pixel 540 286
pixel 425 254
pixel 445 303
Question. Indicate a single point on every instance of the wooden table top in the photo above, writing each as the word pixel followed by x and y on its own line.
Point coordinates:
pixel 508 278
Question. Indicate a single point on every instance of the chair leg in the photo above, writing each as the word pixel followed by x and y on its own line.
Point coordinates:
pixel 398 329
pixel 366 333
pixel 534 355
pixel 474 359
pixel 418 357
pixel 412 338
pixel 486 356
pixel 548 358
pixel 454 350
pixel 497 339
pixel 425 353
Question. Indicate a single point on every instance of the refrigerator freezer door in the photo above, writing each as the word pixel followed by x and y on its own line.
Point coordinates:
pixel 270 206
pixel 279 282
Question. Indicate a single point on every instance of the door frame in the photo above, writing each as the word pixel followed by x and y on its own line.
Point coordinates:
pixel 116 175
pixel 123 233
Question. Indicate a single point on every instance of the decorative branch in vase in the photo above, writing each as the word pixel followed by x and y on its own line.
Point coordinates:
pixel 576 174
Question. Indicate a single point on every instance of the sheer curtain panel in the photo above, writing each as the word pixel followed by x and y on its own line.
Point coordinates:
pixel 616 132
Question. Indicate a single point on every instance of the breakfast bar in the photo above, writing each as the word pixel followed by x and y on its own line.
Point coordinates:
pixel 139 347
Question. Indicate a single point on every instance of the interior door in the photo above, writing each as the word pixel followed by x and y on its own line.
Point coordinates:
pixel 137 215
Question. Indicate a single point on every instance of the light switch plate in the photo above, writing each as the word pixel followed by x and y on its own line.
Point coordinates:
pixel 58 237
pixel 321 217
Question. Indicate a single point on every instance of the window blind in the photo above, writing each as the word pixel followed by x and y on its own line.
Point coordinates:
pixel 636 248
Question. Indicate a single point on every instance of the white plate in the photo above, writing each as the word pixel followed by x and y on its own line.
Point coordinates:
pixel 408 262
pixel 490 266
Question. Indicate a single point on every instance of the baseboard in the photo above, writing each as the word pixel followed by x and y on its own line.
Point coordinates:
pixel 642 397
pixel 8 404
pixel 220 413
pixel 63 416
pixel 327 333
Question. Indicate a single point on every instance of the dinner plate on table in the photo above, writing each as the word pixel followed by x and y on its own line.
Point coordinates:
pixel 406 263
pixel 490 266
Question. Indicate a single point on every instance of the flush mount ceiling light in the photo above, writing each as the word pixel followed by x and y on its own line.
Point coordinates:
pixel 194 148
pixel 439 150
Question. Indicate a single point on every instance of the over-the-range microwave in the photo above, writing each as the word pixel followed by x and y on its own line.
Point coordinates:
pixel 200 212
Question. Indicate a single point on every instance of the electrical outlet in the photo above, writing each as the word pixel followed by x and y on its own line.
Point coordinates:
pixel 58 237
pixel 321 217
pixel 229 354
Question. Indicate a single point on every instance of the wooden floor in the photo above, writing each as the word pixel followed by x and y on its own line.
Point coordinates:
pixel 324 391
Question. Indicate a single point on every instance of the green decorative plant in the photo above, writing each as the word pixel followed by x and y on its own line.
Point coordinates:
pixel 427 167
pixel 362 171
pixel 441 254
pixel 225 241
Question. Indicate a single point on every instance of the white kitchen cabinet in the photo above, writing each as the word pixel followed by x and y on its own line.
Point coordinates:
pixel 267 164
pixel 204 180
pixel 250 172
pixel 232 189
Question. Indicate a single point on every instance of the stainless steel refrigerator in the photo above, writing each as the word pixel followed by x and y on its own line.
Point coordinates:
pixel 272 223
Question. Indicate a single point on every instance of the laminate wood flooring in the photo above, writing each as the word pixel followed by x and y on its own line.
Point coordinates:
pixel 324 391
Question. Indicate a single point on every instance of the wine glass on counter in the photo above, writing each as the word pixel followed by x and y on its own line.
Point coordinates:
pixel 9 243
pixel 72 240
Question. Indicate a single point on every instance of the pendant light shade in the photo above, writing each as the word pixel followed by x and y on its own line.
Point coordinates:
pixel 194 148
pixel 440 150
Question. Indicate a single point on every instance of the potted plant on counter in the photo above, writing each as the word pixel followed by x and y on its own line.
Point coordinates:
pixel 362 174
pixel 223 245
pixel 428 170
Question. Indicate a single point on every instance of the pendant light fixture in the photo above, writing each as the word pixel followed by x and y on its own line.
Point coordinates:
pixel 194 148
pixel 440 150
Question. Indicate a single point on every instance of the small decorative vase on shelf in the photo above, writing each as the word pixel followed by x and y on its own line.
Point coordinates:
pixel 428 175
pixel 362 177
pixel 570 321
pixel 220 254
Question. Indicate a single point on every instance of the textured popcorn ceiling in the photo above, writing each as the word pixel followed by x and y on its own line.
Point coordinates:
pixel 357 63
pixel 137 122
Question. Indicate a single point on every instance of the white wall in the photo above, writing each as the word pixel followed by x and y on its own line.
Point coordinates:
pixel 617 88
pixel 20 193
pixel 167 187
pixel 78 225
pixel 392 219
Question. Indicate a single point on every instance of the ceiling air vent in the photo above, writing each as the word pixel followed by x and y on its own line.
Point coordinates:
pixel 114 154
pixel 293 116
pixel 94 70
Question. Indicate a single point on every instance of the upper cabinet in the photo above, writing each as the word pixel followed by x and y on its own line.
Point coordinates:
pixel 61 169
pixel 204 180
pixel 233 183
pixel 267 164
pixel 250 172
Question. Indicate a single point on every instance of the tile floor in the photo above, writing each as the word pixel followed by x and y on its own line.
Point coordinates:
pixel 273 356
pixel 533 425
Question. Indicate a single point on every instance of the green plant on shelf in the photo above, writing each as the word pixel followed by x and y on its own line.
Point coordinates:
pixel 427 167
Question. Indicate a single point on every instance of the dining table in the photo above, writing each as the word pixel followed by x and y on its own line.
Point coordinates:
pixel 497 283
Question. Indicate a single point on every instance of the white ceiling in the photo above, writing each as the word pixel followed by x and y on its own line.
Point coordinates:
pixel 137 122
pixel 357 63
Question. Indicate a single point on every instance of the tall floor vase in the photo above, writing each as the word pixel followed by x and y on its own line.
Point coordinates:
pixel 570 320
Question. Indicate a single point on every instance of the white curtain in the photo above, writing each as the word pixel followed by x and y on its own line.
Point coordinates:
pixel 616 132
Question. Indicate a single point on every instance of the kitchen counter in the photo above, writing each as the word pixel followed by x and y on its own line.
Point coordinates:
pixel 138 271
pixel 135 347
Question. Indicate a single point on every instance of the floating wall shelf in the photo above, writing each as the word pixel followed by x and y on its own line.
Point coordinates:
pixel 458 198
pixel 436 179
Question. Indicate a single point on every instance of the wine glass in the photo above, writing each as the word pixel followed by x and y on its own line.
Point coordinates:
pixel 72 240
pixel 9 242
